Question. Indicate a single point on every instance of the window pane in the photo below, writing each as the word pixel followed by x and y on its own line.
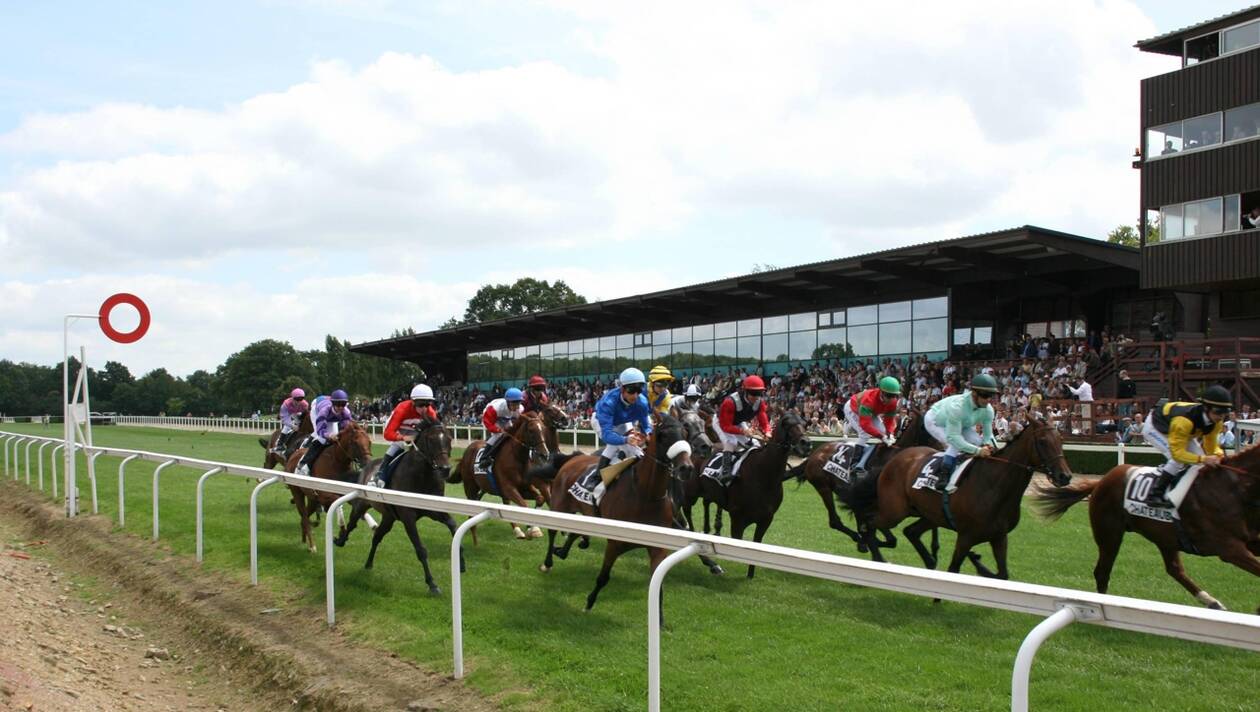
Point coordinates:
pixel 984 334
pixel 1171 227
pixel 824 319
pixel 518 353
pixel 1243 122
pixel 1242 37
pixel 662 337
pixel 661 352
pixel 625 359
pixel 1233 217
pixel 589 346
pixel 1201 131
pixel 862 315
pixel 749 348
pixel 929 334
pixel 607 343
pixel 962 336
pixel 625 341
pixel 802 343
pixel 750 327
pixel 1202 48
pixel 702 332
pixel 801 322
pixel 548 350
pixel 642 353
pixel 723 352
pixel 682 334
pixel 703 351
pixel 894 311
pixel 929 308
pixel 724 330
pixel 1203 217
pixel 774 347
pixel 864 339
pixel 774 324
pixel 1163 140
pixel 895 338
pixel 832 343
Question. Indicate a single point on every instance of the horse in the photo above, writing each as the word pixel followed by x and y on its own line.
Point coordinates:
pixel 829 486
pixel 694 489
pixel 422 468
pixel 645 493
pixel 985 508
pixel 272 459
pixel 524 444
pixel 754 496
pixel 353 447
pixel 1220 517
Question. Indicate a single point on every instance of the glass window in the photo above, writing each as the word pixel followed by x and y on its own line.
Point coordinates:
pixel 749 327
pixel 824 319
pixel 723 351
pixel 832 343
pixel 862 315
pixel 984 334
pixel 548 350
pixel 801 344
pixel 1171 227
pixel 661 352
pixel 894 311
pixel 929 334
pixel 703 352
pixel 702 332
pixel 681 334
pixel 962 335
pixel 1201 131
pixel 1202 48
pixel 724 330
pixel 864 339
pixel 518 352
pixel 930 308
pixel 625 359
pixel 894 338
pixel 642 353
pixel 1241 37
pixel 607 343
pixel 837 317
pixel 774 324
pixel 1163 140
pixel 774 347
pixel 661 336
pixel 625 341
pixel 590 345
pixel 749 348
pixel 532 350
pixel 1203 217
pixel 1243 122
pixel 801 322
pixel 1233 216
pixel 643 339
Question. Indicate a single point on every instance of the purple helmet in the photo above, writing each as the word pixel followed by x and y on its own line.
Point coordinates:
pixel 297 393
pixel 339 395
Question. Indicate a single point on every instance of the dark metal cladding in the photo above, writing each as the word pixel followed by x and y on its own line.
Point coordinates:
pixel 1203 263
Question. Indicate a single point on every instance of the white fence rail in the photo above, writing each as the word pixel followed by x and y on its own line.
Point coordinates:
pixel 1058 606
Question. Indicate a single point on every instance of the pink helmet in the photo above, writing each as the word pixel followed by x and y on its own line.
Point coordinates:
pixel 297 393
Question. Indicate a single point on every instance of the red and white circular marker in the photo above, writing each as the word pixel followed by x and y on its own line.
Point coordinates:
pixel 126 337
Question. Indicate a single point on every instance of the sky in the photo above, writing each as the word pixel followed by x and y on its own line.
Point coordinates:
pixel 293 168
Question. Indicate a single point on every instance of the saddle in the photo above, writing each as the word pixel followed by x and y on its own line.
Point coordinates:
pixel 1137 489
pixel 713 468
pixel 840 465
pixel 927 477
pixel 586 488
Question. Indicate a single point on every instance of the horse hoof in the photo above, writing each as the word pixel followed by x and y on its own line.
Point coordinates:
pixel 717 570
pixel 584 543
pixel 862 548
pixel 516 532
pixel 544 568
pixel 435 591
pixel 1217 606
pixel 535 533
pixel 339 542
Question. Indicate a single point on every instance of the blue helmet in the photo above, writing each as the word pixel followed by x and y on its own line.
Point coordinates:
pixel 631 376
pixel 339 395
pixel 513 394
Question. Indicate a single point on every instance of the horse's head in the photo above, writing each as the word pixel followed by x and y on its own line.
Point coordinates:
pixel 790 433
pixel 693 426
pixel 433 443
pixel 555 417
pixel 531 433
pixel 356 444
pixel 1047 447
pixel 668 446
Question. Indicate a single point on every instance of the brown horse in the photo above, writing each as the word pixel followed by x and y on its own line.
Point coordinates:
pixel 351 449
pixel 272 459
pixel 422 468
pixel 985 508
pixel 642 494
pixel 1220 517
pixel 525 444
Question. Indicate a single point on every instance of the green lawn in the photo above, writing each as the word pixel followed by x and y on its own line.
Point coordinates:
pixel 780 641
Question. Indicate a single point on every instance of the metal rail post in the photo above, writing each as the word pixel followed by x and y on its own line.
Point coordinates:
pixel 253 527
pixel 654 621
pixel 329 522
pixel 122 485
pixel 157 471
pixel 96 509
pixel 201 489
pixel 6 439
pixel 40 456
pixel 1068 614
pixel 53 461
pixel 27 459
pixel 457 591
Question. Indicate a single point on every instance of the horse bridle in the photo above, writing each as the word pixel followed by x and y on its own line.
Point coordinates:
pixel 423 427
pixel 1051 469
pixel 341 445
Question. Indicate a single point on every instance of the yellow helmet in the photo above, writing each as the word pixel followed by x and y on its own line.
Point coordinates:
pixel 660 373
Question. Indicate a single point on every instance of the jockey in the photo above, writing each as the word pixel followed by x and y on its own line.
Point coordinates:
pixel 498 416
pixel 1176 429
pixel 328 415
pixel 291 412
pixel 734 421
pixel 536 394
pixel 873 413
pixel 953 420
pixel 690 402
pixel 408 416
pixel 616 414
pixel 659 396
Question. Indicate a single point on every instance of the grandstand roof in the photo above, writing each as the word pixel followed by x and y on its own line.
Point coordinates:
pixel 1022 258
pixel 1170 42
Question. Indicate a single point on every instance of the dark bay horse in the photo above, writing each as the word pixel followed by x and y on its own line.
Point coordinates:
pixel 641 494
pixel 1220 517
pixel 352 449
pixel 985 508
pixel 422 468
pixel 271 459
pixel 524 444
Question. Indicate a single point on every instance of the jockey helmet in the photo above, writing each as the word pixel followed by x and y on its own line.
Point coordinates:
pixel 297 393
pixel 984 383
pixel 537 381
pixel 660 373
pixel 693 391
pixel 339 396
pixel 1217 396
pixel 890 385
pixel 753 384
pixel 513 395
pixel 631 376
pixel 422 392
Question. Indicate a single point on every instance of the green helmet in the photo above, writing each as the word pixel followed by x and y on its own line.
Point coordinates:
pixel 890 385
pixel 984 383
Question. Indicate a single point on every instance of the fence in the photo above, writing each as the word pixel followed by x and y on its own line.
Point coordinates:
pixel 1059 606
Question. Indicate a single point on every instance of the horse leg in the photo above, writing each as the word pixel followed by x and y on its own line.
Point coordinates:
pixel 1239 554
pixel 835 522
pixel 717 521
pixel 706 515
pixel 962 546
pixel 978 562
pixel 914 532
pixel 999 555
pixel 305 505
pixel 1108 535
pixel 758 533
pixel 449 521
pixel 513 496
pixel 612 550
pixel 387 523
pixel 712 565
pixel 409 524
pixel 356 513
pixel 1172 564
pixel 548 559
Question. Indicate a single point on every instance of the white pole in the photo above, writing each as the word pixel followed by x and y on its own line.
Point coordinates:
pixel 457 602
pixel 29 443
pixel 253 528
pixel 328 554
pixel 96 509
pixel 53 461
pixel 72 491
pixel 66 427
pixel 1028 650
pixel 157 471
pixel 122 502
pixel 654 622
pixel 42 445
pixel 201 488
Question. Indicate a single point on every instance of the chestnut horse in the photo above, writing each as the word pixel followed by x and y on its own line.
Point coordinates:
pixel 524 444
pixel 422 468
pixel 985 508
pixel 1220 517
pixel 350 450
pixel 272 459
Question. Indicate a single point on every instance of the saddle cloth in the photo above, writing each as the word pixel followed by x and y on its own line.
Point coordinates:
pixel 713 468
pixel 926 478
pixel 583 490
pixel 1137 487
pixel 841 463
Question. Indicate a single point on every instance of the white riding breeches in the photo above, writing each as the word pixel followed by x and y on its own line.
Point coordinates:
pixel 611 451
pixel 938 432
pixel 1159 441
pixel 855 423
pixel 730 441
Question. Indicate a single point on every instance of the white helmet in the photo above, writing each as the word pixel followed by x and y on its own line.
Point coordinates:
pixel 421 392
pixel 693 391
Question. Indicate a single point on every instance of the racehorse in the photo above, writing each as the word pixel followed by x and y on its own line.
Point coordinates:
pixel 1220 517
pixel 524 444
pixel 830 486
pixel 272 459
pixel 352 448
pixel 755 495
pixel 985 508
pixel 422 468
pixel 642 494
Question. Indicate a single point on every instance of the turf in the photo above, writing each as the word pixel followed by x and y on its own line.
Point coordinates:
pixel 731 644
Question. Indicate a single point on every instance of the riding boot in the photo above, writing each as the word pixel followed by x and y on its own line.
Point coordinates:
pixel 728 467
pixel 308 459
pixel 1158 496
pixel 869 449
pixel 386 469
pixel 282 442
pixel 484 457
pixel 945 471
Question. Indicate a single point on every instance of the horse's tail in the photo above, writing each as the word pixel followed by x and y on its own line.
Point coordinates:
pixel 457 472
pixel 1052 502
pixel 549 471
pixel 264 443
pixel 862 496
pixel 798 472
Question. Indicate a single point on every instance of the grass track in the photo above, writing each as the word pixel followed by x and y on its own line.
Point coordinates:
pixel 778 641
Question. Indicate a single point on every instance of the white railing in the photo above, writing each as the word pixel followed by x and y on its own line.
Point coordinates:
pixel 1059 606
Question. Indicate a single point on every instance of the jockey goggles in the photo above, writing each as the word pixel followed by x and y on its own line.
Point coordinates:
pixel 633 388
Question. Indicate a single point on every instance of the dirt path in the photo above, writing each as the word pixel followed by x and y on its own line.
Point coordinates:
pixel 91 619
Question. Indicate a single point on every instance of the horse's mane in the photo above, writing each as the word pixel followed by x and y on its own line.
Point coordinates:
pixel 1248 459
pixel 520 422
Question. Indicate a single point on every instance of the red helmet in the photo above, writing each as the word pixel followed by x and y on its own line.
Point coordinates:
pixel 536 381
pixel 754 383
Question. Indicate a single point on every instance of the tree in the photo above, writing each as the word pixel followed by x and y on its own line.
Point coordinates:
pixel 1124 235
pixel 247 380
pixel 525 296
